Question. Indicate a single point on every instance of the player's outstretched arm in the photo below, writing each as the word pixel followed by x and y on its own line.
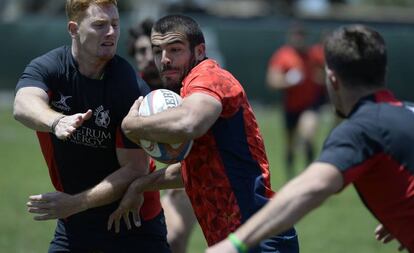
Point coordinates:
pixel 291 203
pixel 134 163
pixel 167 178
pixel 31 108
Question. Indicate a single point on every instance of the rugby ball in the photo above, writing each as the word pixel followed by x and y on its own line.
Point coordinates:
pixel 153 103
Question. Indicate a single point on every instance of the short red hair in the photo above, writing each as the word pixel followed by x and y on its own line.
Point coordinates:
pixel 75 8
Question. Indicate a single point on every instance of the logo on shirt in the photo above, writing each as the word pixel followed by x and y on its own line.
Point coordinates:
pixel 90 137
pixel 61 104
pixel 102 118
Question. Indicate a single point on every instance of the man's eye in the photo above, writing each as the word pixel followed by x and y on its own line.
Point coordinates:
pixel 142 50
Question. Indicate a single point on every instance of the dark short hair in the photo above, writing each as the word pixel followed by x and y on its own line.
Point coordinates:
pixel 181 23
pixel 140 29
pixel 357 54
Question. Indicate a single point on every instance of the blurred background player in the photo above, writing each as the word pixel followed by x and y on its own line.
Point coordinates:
pixel 75 98
pixel 139 48
pixel 178 211
pixel 298 71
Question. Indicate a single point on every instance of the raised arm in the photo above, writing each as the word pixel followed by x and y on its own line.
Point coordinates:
pixel 291 203
pixel 192 119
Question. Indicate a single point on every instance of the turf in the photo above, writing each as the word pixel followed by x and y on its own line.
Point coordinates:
pixel 342 225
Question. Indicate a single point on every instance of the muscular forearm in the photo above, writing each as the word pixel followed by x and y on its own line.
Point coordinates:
pixel 165 127
pixel 167 178
pixel 192 119
pixel 295 200
pixel 31 109
pixel 110 189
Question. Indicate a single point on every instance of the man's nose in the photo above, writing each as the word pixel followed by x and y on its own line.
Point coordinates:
pixel 165 58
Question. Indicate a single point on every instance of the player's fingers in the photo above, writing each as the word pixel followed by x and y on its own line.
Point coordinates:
pixel 78 121
pixel 133 111
pixel 110 221
pixel 38 204
pixel 38 210
pixel 379 228
pixel 137 219
pixel 117 224
pixel 45 217
pixel 87 115
pixel 125 216
pixel 380 232
pixel 39 197
pixel 387 238
pixel 69 131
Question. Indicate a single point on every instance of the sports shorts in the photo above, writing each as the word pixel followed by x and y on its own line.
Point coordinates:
pixel 151 236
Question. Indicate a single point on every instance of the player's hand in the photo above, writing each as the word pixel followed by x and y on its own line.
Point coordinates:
pixel 128 123
pixel 53 205
pixel 382 235
pixel 131 202
pixel 224 246
pixel 68 124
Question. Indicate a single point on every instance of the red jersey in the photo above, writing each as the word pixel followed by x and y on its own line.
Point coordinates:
pixel 303 95
pixel 226 175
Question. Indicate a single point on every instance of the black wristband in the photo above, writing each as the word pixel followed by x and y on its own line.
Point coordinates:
pixel 55 122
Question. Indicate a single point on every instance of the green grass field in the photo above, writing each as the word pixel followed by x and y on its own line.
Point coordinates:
pixel 342 225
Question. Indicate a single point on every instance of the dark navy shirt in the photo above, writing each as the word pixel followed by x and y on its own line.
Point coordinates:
pixel 89 155
pixel 374 149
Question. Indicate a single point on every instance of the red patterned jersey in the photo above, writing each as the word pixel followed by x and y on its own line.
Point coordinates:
pixel 226 174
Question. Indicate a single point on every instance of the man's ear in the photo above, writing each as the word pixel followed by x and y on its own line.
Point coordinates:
pixel 200 52
pixel 73 28
pixel 333 79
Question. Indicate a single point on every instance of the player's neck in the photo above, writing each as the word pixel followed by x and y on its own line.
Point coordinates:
pixel 351 96
pixel 90 67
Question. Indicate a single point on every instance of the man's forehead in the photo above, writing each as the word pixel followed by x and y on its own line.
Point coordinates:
pixel 102 12
pixel 158 39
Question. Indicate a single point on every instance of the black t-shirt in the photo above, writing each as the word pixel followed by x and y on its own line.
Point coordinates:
pixel 89 155
pixel 374 150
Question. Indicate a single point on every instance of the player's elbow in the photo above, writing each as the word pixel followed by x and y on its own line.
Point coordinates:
pixel 18 111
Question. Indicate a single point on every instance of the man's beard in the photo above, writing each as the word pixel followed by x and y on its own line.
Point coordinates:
pixel 176 86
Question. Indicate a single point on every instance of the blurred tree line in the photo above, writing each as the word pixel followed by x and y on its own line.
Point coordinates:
pixel 11 10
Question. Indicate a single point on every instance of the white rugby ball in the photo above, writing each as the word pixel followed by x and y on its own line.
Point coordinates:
pixel 153 103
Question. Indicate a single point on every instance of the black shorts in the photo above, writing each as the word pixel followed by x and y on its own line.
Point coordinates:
pixel 292 118
pixel 151 236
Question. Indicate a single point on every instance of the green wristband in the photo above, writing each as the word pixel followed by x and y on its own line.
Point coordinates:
pixel 238 244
